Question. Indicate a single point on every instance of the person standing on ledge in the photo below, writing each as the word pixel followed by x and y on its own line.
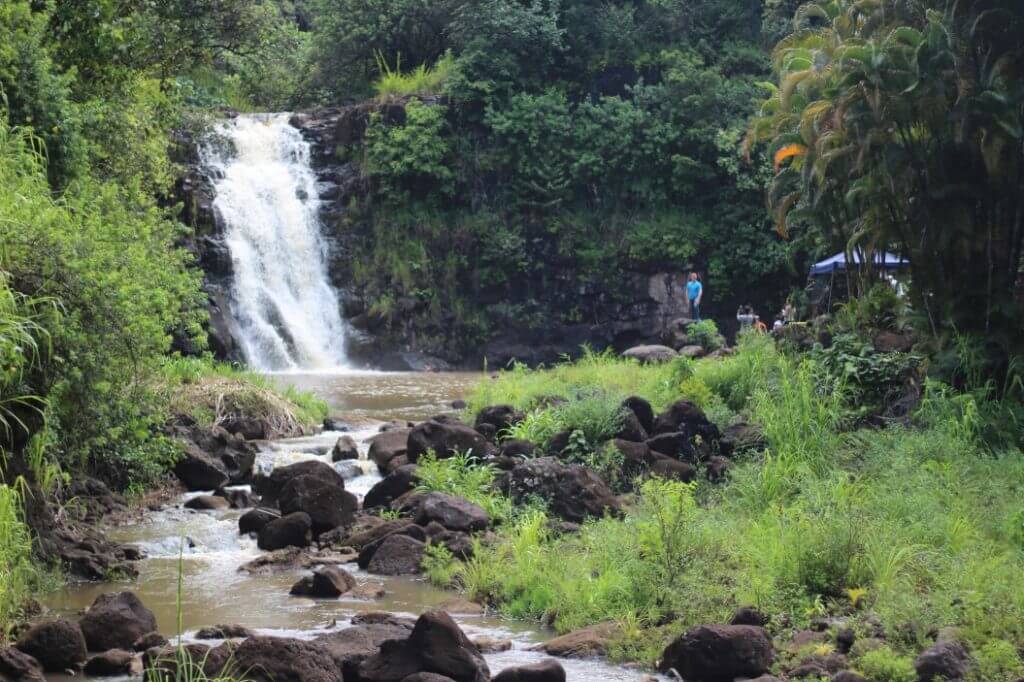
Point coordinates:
pixel 694 292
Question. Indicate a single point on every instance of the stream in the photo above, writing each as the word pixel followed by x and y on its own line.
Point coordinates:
pixel 215 592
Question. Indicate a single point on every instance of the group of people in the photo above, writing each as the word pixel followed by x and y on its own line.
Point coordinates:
pixel 745 314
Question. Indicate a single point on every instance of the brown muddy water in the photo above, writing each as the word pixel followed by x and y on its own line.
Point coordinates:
pixel 205 551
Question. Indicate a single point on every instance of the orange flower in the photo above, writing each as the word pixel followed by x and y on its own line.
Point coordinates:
pixel 789 151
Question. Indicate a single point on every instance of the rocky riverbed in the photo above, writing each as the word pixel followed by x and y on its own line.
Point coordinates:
pixel 280 570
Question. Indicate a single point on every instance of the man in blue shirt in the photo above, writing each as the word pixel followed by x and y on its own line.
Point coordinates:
pixel 694 292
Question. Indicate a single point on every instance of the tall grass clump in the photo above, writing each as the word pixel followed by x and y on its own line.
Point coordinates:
pixel 422 80
pixel 462 476
pixel 20 576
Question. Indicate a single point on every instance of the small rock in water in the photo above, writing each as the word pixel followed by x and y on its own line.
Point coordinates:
pixel 491 645
pixel 225 632
pixel 548 670
pixel 344 449
pixel 110 663
pixel 328 582
pixel 369 591
pixel 149 641
pixel 207 503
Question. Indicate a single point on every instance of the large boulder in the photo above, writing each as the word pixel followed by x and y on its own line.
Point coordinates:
pixel 293 530
pixel 675 444
pixel 650 354
pixel 686 417
pixel 253 520
pixel 277 659
pixel 269 487
pixel 630 427
pixel 391 487
pixel 573 491
pixel 387 446
pixel 548 670
pixel 17 666
pixel 454 513
pixel 397 555
pixel 351 646
pixel 436 645
pixel 445 440
pixel 742 437
pixel 173 662
pixel 501 417
pixel 113 663
pixel 719 653
pixel 199 471
pixel 115 620
pixel 587 642
pixel 328 504
pixel 946 660
pixel 58 645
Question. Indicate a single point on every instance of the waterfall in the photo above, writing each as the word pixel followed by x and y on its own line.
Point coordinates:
pixel 267 204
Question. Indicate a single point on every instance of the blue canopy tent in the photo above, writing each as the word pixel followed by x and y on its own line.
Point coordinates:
pixel 839 263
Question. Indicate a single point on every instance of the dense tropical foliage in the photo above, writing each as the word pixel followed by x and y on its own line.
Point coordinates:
pixel 898 125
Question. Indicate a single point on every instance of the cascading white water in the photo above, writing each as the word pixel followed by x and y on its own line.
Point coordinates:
pixel 266 198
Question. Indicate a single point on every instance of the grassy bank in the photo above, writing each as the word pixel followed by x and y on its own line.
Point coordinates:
pixel 211 392
pixel 913 527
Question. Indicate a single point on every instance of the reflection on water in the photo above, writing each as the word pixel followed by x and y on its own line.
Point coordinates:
pixel 203 550
pixel 386 395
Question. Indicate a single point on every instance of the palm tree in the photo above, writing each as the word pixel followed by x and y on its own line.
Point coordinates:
pixel 899 124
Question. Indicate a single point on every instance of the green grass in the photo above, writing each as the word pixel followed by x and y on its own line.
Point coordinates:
pixel 918 527
pixel 20 576
pixel 462 477
pixel 422 80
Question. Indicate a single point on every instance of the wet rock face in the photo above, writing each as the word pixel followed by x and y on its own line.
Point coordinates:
pixel 254 520
pixel 269 487
pixel 397 555
pixel 18 666
pixel 58 645
pixel 200 471
pixel 110 663
pixel 391 487
pixel 436 645
pixel 387 446
pixel 719 653
pixel 454 513
pixel 115 621
pixel 445 440
pixel 293 530
pixel 351 646
pixel 328 505
pixel 573 492
pixel 273 659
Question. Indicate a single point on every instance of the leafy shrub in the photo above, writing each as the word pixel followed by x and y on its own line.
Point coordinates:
pixel 885 665
pixel 705 334
pixel 871 380
pixel 410 159
pixel 997 661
